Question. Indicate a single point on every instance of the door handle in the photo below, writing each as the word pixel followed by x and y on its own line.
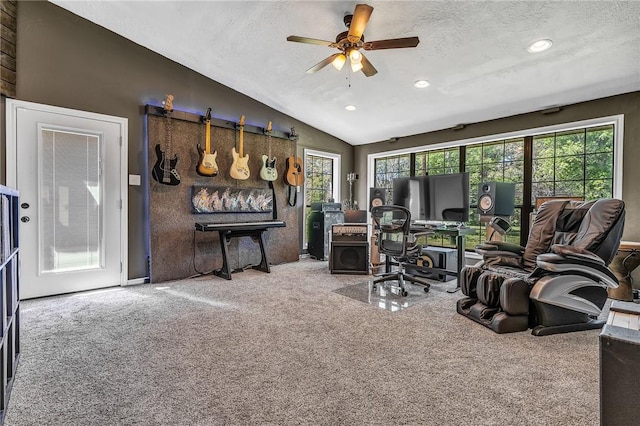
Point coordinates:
pixel 25 219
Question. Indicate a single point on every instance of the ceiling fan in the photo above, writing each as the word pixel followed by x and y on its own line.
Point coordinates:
pixel 350 42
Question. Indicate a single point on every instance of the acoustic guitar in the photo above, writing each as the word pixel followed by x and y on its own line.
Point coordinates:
pixel 207 165
pixel 164 170
pixel 294 175
pixel 240 166
pixel 268 171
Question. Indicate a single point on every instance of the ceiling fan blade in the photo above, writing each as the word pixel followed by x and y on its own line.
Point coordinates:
pixel 322 64
pixel 359 21
pixel 393 43
pixel 367 68
pixel 307 40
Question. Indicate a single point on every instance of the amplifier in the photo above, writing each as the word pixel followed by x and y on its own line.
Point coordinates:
pixel 326 207
pixel 349 257
pixel 349 232
pixel 619 358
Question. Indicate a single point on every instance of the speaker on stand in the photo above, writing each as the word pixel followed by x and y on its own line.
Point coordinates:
pixel 377 197
pixel 496 198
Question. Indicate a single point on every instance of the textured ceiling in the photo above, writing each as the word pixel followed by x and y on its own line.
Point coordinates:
pixel 473 53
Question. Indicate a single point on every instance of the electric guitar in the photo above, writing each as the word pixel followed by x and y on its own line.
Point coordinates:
pixel 207 165
pixel 164 171
pixel 240 166
pixel 268 171
pixel 294 176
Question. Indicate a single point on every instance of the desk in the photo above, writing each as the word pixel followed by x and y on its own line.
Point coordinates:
pixel 226 231
pixel 460 237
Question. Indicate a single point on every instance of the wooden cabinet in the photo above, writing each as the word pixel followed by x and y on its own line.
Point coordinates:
pixel 9 293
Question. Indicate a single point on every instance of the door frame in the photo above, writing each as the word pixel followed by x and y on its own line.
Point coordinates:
pixel 12 107
pixel 335 185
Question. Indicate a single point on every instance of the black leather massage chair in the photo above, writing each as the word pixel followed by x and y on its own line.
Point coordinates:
pixel 558 282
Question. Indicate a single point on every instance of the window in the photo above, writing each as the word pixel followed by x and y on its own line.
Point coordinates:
pixel 437 162
pixel 322 180
pixel 578 163
pixel 496 161
pixel 389 168
pixel 318 180
pixel 577 159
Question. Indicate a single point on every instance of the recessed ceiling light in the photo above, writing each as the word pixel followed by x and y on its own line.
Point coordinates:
pixel 350 108
pixel 421 84
pixel 539 46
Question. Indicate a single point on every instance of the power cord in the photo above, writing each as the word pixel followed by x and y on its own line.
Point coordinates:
pixel 199 273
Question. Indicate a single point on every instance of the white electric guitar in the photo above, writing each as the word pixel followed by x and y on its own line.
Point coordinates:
pixel 268 171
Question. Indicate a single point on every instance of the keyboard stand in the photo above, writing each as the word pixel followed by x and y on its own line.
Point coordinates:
pixel 225 238
pixel 226 232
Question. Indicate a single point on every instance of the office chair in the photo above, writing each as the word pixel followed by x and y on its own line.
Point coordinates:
pixel 558 282
pixel 393 237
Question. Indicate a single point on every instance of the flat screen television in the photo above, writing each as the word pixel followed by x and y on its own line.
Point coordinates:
pixel 449 197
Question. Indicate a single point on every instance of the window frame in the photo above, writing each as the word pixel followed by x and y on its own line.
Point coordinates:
pixel 618 134
pixel 335 184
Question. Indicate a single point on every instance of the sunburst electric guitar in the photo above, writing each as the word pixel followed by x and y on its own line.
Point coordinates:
pixel 164 171
pixel 240 166
pixel 268 171
pixel 207 165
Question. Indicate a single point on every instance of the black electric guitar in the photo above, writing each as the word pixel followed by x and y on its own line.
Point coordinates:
pixel 164 171
pixel 268 171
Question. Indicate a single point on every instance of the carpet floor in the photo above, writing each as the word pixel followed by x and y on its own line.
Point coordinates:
pixel 286 349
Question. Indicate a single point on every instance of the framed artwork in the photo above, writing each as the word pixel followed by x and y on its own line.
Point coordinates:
pixel 221 199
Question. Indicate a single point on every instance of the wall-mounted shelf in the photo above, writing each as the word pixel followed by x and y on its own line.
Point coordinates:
pixel 226 124
pixel 9 293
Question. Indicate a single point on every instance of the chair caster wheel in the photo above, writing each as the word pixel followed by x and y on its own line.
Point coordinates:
pixel 404 293
pixel 426 289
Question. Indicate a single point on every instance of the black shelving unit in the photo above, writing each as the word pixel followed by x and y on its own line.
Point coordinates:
pixel 9 293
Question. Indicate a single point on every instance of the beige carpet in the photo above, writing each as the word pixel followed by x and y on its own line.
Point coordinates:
pixel 284 348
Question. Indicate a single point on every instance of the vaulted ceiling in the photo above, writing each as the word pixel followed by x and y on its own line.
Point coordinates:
pixel 473 53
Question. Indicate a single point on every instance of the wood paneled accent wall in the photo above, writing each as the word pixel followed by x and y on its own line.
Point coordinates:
pixel 8 10
pixel 176 250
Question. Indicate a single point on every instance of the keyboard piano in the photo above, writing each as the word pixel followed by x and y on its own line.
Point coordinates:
pixel 227 231
pixel 238 226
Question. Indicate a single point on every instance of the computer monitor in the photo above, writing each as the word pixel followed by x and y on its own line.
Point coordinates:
pixel 412 193
pixel 449 197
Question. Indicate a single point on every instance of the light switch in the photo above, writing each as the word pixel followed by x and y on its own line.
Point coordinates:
pixel 134 180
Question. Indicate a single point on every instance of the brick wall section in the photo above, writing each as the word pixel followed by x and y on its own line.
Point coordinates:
pixel 8 11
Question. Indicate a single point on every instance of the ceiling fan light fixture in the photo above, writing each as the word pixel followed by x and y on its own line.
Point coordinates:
pixel 421 84
pixel 339 61
pixel 539 46
pixel 355 56
pixel 356 66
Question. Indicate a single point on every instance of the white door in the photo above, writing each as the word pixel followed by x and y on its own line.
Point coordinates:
pixel 68 166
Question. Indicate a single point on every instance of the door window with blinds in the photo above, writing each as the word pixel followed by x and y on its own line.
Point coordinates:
pixel 70 193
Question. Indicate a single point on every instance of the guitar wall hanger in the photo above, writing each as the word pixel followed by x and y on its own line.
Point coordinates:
pixel 217 122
